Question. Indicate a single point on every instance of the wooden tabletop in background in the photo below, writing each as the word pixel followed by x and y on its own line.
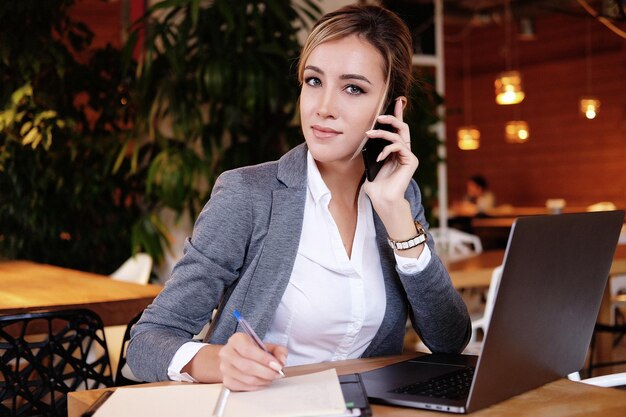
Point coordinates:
pixel 28 286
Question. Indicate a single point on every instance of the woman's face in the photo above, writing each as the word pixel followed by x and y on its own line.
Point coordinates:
pixel 343 85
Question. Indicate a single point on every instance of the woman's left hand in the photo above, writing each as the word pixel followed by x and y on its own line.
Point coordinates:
pixel 387 190
pixel 393 178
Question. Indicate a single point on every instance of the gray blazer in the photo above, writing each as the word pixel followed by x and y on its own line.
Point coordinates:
pixel 241 255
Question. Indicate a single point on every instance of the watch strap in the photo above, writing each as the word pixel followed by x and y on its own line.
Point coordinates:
pixel 416 240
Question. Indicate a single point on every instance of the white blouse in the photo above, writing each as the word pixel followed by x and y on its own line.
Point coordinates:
pixel 333 304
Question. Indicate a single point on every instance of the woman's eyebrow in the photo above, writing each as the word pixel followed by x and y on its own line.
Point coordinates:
pixel 354 77
pixel 342 77
pixel 314 68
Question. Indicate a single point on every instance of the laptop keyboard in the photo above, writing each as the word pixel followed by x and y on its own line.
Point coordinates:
pixel 454 385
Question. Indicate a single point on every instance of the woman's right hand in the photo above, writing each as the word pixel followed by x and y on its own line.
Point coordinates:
pixel 247 367
pixel 240 364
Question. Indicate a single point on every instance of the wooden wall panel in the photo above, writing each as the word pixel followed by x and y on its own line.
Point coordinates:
pixel 567 156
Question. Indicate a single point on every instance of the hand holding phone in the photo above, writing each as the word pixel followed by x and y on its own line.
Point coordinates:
pixel 374 146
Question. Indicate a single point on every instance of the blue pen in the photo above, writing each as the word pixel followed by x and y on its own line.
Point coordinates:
pixel 250 332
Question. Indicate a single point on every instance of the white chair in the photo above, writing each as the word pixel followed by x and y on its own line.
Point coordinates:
pixel 482 323
pixel 454 244
pixel 136 269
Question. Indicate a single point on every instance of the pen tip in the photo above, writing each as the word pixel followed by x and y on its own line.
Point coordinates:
pixel 237 314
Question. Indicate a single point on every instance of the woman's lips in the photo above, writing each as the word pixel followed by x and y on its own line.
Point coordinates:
pixel 322 132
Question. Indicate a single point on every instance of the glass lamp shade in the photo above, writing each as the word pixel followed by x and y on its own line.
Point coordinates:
pixel 468 138
pixel 509 88
pixel 517 131
pixel 589 107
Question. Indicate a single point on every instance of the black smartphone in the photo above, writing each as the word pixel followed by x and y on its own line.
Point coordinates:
pixel 355 395
pixel 374 146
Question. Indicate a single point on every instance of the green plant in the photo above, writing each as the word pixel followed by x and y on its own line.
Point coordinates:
pixel 214 89
pixel 60 122
pixel 93 145
pixel 421 116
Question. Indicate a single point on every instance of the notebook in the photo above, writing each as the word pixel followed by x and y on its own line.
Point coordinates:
pixel 316 394
pixel 554 274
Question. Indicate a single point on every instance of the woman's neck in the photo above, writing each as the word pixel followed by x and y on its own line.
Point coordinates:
pixel 343 180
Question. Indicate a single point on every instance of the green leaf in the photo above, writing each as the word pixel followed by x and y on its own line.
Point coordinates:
pixel 20 93
pixel 120 157
pixel 30 136
pixel 47 114
pixel 195 11
pixel 6 118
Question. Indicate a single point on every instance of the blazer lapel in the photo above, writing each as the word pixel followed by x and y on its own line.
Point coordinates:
pixel 280 247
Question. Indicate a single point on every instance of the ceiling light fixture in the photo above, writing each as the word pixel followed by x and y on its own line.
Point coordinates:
pixel 517 131
pixel 509 88
pixel 589 104
pixel 508 85
pixel 468 135
pixel 468 138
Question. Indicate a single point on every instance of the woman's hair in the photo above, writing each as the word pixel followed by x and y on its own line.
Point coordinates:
pixel 380 27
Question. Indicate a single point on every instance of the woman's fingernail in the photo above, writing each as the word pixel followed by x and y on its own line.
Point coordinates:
pixel 275 366
pixel 379 157
pixel 369 132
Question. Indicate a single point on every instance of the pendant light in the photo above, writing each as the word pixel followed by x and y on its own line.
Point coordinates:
pixel 509 88
pixel 517 131
pixel 589 104
pixel 468 135
pixel 508 85
pixel 468 138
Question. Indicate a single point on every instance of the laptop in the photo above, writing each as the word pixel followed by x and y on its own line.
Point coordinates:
pixel 554 273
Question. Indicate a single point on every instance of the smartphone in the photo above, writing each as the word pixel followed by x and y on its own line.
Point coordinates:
pixel 374 146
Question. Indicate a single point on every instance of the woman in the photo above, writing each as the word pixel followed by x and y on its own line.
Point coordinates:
pixel 300 245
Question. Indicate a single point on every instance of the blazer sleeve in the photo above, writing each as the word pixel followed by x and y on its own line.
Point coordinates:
pixel 211 262
pixel 436 309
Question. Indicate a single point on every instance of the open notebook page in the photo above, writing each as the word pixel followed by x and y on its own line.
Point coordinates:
pixel 317 394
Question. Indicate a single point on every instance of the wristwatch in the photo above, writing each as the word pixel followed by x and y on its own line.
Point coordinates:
pixel 411 243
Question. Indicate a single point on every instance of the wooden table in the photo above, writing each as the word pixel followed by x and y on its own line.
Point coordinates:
pixel 28 286
pixel 495 228
pixel 558 398
pixel 475 271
